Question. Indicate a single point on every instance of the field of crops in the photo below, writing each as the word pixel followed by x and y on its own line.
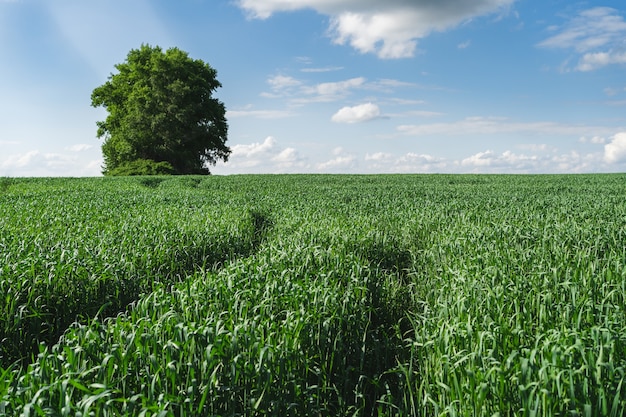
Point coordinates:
pixel 313 295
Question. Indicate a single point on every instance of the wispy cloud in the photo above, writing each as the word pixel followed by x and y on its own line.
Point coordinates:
pixel 300 92
pixel 596 34
pixel 259 114
pixel 595 60
pixel 322 69
pixel 498 125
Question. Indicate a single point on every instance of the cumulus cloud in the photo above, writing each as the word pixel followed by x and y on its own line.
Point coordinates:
pixel 35 163
pixel 357 114
pixel 342 161
pixel 615 150
pixel 416 162
pixel 286 156
pixel 505 159
pixel 268 157
pixel 390 28
pixel 537 162
pixel 262 157
pixel 253 149
pixel 338 163
pixel 596 34
pixel 534 159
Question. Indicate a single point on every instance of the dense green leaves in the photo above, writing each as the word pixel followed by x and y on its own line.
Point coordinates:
pixel 161 109
pixel 319 295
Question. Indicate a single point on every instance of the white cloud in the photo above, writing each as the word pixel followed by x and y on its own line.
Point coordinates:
pixel 615 150
pixel 597 34
pixel 537 162
pixel 262 157
pixel 415 162
pixel 268 157
pixel 414 157
pixel 287 155
pixel 342 161
pixel 595 60
pixel 390 29
pixel 464 45
pixel 595 140
pixel 253 149
pixel 35 163
pixel 378 156
pixel 333 90
pixel 361 113
pixel 535 159
pixel 301 93
pixel 338 163
pixel 280 82
pixel 282 86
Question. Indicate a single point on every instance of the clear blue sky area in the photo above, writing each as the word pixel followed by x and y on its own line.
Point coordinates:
pixel 335 86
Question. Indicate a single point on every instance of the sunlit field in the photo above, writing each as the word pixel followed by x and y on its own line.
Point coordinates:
pixel 313 295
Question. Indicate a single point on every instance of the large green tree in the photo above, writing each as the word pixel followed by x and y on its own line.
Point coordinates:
pixel 161 113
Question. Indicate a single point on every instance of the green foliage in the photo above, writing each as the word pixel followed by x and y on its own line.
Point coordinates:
pixel 142 167
pixel 5 183
pixel 315 295
pixel 161 108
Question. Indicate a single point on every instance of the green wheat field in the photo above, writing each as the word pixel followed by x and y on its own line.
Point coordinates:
pixel 313 295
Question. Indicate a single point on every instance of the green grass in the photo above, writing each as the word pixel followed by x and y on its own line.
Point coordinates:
pixel 420 295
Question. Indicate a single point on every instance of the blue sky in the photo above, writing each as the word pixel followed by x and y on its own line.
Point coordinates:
pixel 335 86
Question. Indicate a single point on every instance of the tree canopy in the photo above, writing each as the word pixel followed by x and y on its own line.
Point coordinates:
pixel 161 114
